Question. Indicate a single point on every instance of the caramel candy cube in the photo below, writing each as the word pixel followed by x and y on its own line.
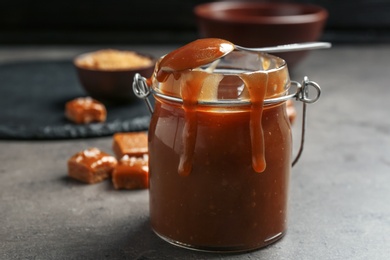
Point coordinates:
pixel 85 110
pixel 132 144
pixel 91 165
pixel 131 173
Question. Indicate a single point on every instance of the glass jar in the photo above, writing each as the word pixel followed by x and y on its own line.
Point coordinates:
pixel 220 166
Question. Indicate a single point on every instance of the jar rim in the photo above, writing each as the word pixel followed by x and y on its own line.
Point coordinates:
pixel 231 102
pixel 236 66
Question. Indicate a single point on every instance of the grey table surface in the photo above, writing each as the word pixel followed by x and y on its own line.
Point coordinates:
pixel 339 193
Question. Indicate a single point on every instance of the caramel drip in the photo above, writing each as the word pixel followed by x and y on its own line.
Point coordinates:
pixel 180 64
pixel 190 88
pixel 256 83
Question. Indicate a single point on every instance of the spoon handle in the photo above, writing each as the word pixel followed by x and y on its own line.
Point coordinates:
pixel 288 47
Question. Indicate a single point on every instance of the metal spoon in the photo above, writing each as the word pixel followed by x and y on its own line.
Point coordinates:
pixel 287 47
pixel 205 51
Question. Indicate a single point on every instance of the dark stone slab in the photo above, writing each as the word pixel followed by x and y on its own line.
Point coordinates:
pixel 33 96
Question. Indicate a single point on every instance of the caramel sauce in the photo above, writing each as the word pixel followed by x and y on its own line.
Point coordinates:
pixel 190 91
pixel 193 55
pixel 181 63
pixel 257 94
pixel 221 204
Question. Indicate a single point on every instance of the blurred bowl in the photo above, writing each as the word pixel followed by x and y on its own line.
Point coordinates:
pixel 254 24
pixel 110 84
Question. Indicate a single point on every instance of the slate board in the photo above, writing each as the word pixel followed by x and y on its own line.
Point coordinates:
pixel 32 100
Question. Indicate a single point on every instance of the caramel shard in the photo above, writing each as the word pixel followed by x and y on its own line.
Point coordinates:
pixel 91 165
pixel 132 144
pixel 85 110
pixel 291 112
pixel 131 173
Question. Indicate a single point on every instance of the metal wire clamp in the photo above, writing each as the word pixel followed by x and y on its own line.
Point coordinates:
pixel 142 91
pixel 302 95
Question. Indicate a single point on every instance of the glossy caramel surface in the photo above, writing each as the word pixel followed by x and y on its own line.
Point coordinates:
pixel 223 203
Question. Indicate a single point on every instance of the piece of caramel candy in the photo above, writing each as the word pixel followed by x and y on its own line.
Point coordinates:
pixel 131 144
pixel 131 173
pixel 91 165
pixel 85 110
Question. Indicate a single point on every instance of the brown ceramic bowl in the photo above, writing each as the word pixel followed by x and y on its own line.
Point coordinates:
pixel 254 24
pixel 112 85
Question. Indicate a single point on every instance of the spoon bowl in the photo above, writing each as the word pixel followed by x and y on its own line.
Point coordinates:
pixel 207 50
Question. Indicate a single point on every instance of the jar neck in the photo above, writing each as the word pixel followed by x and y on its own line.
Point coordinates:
pixel 226 89
pixel 239 77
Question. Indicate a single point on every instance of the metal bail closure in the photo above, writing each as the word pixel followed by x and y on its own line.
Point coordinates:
pixel 142 90
pixel 302 94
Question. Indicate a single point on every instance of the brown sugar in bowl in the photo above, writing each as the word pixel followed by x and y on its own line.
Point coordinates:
pixel 107 75
pixel 254 24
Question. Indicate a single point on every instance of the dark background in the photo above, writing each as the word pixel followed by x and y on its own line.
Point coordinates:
pixel 161 21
